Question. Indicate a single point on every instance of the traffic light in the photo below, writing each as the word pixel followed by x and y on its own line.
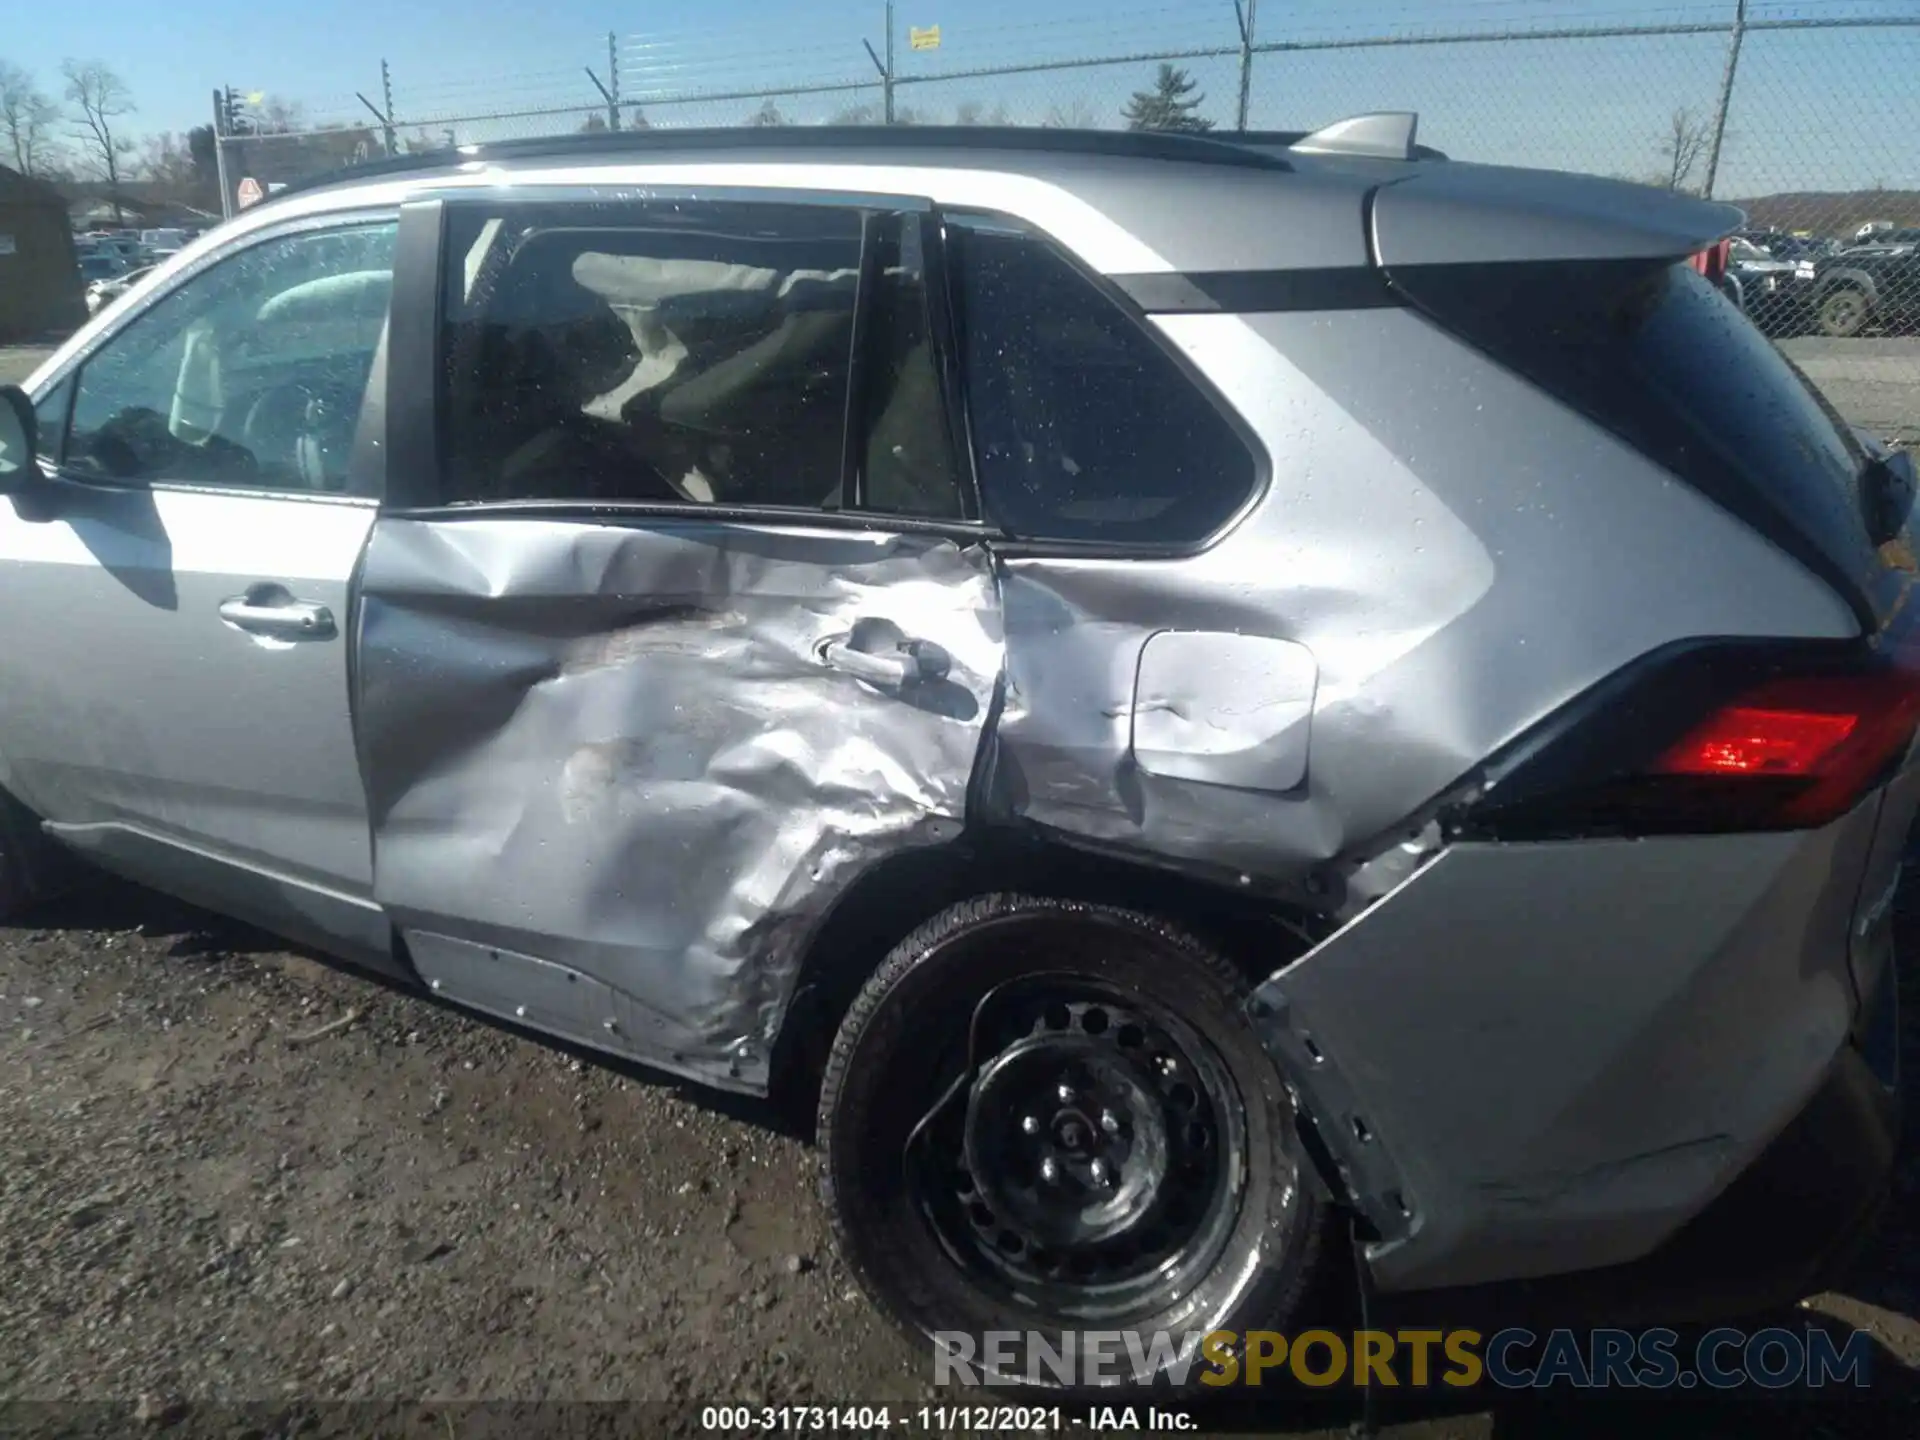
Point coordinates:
pixel 233 112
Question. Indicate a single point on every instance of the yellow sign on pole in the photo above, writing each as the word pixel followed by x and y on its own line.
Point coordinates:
pixel 927 39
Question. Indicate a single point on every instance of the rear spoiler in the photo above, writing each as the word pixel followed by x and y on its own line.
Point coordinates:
pixel 1466 214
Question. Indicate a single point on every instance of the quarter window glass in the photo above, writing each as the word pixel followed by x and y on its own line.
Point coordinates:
pixel 1083 427
pixel 694 354
pixel 250 374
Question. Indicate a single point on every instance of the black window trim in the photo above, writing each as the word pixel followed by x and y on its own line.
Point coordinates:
pixel 370 464
pixel 851 492
pixel 52 444
pixel 943 334
pixel 962 219
pixel 415 455
pixel 412 410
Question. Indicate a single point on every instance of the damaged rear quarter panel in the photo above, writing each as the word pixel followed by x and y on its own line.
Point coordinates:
pixel 1523 1074
pixel 615 787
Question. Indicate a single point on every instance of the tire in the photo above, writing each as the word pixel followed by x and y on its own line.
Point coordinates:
pixel 1843 312
pixel 1206 1216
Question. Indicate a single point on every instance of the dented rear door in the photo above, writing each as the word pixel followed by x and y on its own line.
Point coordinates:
pixel 622 756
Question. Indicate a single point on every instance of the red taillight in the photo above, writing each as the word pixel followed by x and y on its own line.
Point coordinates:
pixel 1746 740
pixel 1712 262
pixel 1834 732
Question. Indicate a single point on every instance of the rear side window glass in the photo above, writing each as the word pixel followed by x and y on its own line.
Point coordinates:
pixel 1658 356
pixel 683 353
pixel 1084 427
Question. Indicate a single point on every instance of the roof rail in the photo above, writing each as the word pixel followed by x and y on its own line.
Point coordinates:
pixel 1203 149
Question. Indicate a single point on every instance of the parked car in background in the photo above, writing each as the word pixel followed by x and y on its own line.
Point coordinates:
pixel 100 267
pixel 107 289
pixel 121 242
pixel 163 240
pixel 1904 239
pixel 1785 245
pixel 1767 288
pixel 1359 727
pixel 1875 285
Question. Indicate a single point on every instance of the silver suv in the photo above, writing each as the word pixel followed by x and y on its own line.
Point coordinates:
pixel 1198 694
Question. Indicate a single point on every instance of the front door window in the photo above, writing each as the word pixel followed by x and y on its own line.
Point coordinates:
pixel 249 375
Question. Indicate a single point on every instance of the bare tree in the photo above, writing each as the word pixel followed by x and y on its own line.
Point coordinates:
pixel 27 118
pixel 274 116
pixel 101 97
pixel 1077 115
pixel 168 163
pixel 766 116
pixel 182 169
pixel 1686 141
pixel 972 112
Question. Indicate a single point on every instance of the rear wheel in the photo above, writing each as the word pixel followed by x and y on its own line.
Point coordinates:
pixel 1042 1116
pixel 1844 312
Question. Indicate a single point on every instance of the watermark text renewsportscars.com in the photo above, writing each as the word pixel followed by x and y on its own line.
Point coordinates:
pixel 1775 1358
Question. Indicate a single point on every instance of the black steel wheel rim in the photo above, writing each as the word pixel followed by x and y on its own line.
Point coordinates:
pixel 1092 1167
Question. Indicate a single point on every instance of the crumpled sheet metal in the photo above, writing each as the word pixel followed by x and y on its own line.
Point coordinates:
pixel 617 748
pixel 1519 1076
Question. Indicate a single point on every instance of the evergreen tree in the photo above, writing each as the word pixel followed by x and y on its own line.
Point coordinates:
pixel 1170 105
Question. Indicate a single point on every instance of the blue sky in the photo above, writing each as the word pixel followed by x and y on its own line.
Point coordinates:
pixel 1813 110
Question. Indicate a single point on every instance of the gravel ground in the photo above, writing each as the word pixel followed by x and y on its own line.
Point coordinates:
pixel 230 1172
pixel 17 362
pixel 1874 382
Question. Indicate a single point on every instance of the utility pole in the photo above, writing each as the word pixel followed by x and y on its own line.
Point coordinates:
pixel 1245 17
pixel 386 97
pixel 609 92
pixel 222 123
pixel 613 83
pixel 1726 95
pixel 885 67
pixel 886 89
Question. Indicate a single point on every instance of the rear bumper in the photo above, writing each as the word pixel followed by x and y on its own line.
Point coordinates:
pixel 1787 1227
pixel 1545 1069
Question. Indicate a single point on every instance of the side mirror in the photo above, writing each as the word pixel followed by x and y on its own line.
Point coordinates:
pixel 18 440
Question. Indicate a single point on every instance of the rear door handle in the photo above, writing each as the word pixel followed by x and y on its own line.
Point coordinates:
pixel 889 672
pixel 269 610
pixel 894 669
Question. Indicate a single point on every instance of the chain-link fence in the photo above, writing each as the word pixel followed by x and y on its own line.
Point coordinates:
pixel 1803 113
